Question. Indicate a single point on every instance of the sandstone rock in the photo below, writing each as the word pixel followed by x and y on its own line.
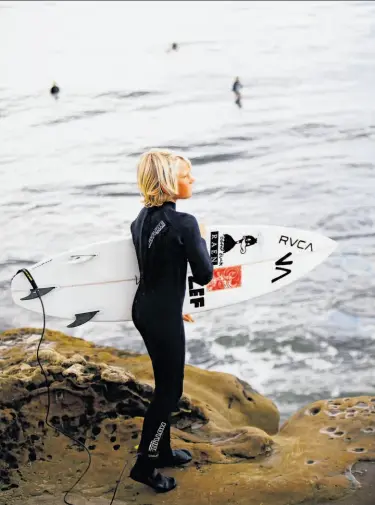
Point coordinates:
pixel 75 359
pixel 117 374
pixel 240 456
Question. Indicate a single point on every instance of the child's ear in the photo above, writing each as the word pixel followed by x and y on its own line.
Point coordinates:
pixel 164 189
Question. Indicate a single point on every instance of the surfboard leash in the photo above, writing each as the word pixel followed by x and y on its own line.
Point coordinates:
pixel 35 287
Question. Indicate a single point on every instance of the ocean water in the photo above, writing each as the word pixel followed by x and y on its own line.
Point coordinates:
pixel 300 152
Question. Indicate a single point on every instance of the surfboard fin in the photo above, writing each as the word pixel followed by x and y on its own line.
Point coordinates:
pixel 82 318
pixel 33 293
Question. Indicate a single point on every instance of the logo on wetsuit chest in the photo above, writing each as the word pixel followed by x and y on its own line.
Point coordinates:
pixel 196 295
pixel 155 232
pixel 225 243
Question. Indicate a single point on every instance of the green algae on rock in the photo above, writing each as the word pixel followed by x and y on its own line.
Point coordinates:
pixel 99 396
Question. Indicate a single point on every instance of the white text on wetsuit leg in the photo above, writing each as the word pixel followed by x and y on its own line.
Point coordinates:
pixel 196 295
pixel 153 447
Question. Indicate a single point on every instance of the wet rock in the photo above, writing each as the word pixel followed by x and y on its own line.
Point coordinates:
pixel 99 396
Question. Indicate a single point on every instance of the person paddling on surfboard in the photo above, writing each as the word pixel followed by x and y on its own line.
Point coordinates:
pixel 165 240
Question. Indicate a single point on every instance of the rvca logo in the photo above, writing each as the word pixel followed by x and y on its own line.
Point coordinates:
pixel 280 264
pixel 301 244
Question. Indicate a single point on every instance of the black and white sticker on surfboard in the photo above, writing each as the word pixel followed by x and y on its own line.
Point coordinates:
pixel 196 295
pixel 282 265
pixel 222 243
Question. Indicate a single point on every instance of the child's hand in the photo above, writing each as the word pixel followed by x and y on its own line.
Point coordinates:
pixel 203 230
pixel 188 318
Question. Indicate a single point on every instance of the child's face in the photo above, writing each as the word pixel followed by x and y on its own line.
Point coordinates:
pixel 185 181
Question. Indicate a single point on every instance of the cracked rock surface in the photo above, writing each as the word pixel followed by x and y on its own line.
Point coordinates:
pixel 99 395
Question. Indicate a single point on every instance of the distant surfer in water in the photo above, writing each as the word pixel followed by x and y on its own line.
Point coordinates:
pixel 236 88
pixel 174 47
pixel 55 90
pixel 165 240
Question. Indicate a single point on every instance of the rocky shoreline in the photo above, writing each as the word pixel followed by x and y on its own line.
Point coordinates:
pixel 322 454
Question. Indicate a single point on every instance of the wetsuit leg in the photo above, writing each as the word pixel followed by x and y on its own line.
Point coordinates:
pixel 166 346
pixel 165 448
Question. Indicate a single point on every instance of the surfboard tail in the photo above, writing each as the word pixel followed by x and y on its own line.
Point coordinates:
pixel 33 293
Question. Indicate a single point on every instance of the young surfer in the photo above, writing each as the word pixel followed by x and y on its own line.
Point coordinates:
pixel 165 240
pixel 236 88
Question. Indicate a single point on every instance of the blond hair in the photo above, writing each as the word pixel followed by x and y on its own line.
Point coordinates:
pixel 157 173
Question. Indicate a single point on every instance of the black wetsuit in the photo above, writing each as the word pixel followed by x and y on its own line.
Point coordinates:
pixel 164 241
pixel 54 90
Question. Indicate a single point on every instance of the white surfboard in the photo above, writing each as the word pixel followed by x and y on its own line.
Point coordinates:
pixel 98 282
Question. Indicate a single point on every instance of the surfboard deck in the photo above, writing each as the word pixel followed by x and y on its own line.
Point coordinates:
pixel 98 282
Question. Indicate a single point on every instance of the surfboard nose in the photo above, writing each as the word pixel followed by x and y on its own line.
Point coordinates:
pixel 329 244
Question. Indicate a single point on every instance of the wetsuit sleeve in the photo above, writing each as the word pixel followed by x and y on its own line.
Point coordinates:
pixel 196 251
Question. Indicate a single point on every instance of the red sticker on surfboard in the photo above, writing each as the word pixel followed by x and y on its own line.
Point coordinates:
pixel 226 278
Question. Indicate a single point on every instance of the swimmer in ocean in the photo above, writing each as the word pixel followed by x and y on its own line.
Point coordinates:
pixel 236 90
pixel 55 90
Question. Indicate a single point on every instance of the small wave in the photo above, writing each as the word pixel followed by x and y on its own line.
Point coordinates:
pixel 211 191
pixel 328 219
pixel 217 158
pixel 241 190
pixel 75 117
pixel 198 42
pixel 99 185
pixel 33 190
pixel 353 134
pixel 14 261
pixel 331 133
pixel 204 144
pixel 43 206
pixel 312 129
pixel 124 193
pixel 136 154
pixel 360 165
pixel 8 161
pixel 177 148
pixel 238 139
pixel 14 203
pixel 104 189
pixel 113 194
pixel 350 236
pixel 132 94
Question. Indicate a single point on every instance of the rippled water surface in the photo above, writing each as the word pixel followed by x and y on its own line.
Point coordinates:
pixel 300 152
